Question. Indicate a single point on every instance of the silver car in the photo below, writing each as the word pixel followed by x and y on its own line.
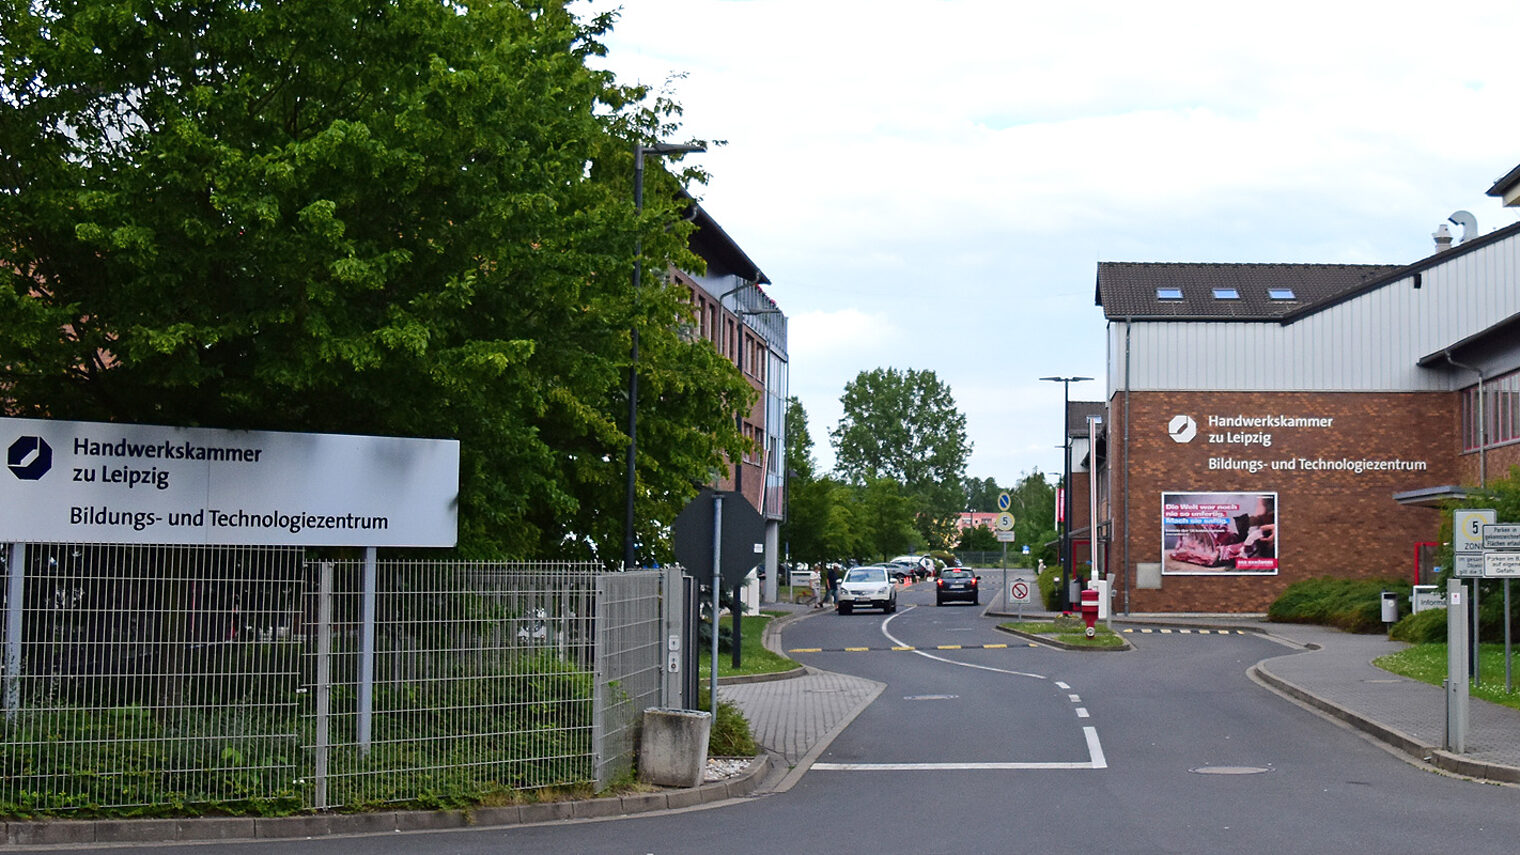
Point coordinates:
pixel 869 586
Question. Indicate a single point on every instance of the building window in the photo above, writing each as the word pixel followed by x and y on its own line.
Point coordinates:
pixel 1501 413
pixel 1168 293
pixel 1226 294
pixel 1280 294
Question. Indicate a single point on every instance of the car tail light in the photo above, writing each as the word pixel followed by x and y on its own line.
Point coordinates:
pixel 940 583
pixel 974 580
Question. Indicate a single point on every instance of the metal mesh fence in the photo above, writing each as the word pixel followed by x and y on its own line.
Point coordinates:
pixel 141 676
pixel 160 677
pixel 629 668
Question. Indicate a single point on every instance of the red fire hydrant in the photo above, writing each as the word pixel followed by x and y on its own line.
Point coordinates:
pixel 1090 610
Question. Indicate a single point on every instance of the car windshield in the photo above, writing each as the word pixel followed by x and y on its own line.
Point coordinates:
pixel 956 574
pixel 867 574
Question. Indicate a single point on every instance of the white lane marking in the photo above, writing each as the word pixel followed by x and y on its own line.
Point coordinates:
pixel 900 643
pixel 1095 748
pixel 1060 684
pixel 1076 699
pixel 1082 712
pixel 1094 752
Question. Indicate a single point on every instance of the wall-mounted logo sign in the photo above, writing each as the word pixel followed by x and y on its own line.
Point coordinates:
pixel 1182 428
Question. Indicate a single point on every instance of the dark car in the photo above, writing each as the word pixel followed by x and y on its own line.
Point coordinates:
pixel 957 583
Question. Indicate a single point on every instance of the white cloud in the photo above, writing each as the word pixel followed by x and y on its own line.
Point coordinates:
pixel 930 185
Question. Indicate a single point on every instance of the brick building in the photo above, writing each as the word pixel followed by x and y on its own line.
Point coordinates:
pixel 732 311
pixel 1268 423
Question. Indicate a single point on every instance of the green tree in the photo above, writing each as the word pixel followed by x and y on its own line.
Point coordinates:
pixel 978 539
pixel 406 218
pixel 982 494
pixel 884 519
pixel 904 426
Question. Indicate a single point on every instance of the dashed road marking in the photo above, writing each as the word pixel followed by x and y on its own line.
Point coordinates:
pixel 901 648
pixel 1165 631
pixel 1096 760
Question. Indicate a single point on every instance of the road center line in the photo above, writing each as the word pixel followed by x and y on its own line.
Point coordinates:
pixel 899 642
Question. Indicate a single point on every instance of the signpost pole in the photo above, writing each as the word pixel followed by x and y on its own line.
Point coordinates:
pixel 1456 669
pixel 717 594
pixel 367 653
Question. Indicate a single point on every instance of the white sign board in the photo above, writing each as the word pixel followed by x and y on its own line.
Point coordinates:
pixel 1427 597
pixel 1005 536
pixel 1467 527
pixel 1501 536
pixel 1501 565
pixel 96 482
pixel 1467 564
pixel 1021 593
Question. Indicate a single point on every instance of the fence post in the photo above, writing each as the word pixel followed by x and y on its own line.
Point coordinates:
pixel 599 698
pixel 15 591
pixel 324 680
pixel 672 634
pixel 367 654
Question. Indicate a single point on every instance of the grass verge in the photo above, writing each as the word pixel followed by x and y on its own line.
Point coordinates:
pixel 1070 633
pixel 1427 663
pixel 753 657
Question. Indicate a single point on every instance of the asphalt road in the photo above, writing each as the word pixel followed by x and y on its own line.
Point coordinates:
pixel 1166 748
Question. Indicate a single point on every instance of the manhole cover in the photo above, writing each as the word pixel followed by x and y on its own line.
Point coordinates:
pixel 1230 770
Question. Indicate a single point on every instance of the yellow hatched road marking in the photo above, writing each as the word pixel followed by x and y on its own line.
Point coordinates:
pixel 855 649
pixel 994 646
pixel 806 650
pixel 948 647
pixel 905 648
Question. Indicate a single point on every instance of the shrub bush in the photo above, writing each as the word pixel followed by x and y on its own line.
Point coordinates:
pixel 1427 627
pixel 1354 605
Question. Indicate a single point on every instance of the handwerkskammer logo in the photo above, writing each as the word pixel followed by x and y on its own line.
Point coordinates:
pixel 29 458
pixel 1182 428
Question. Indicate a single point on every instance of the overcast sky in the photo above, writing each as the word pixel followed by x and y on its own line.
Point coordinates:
pixel 930 184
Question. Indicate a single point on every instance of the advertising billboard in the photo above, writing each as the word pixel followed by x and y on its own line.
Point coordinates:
pixel 1219 534
pixel 99 482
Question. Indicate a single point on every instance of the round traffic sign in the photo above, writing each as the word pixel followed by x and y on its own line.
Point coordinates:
pixel 1019 592
pixel 1005 521
pixel 1004 502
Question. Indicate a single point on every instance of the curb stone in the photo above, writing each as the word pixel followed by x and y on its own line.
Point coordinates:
pixel 86 831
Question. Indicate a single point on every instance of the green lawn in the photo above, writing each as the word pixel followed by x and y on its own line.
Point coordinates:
pixel 1427 663
pixel 1071 633
pixel 754 657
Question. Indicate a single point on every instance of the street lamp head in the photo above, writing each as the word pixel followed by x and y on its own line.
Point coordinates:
pixel 1066 379
pixel 672 148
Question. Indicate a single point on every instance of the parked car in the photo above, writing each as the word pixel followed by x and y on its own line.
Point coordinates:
pixel 870 586
pixel 901 571
pixel 957 583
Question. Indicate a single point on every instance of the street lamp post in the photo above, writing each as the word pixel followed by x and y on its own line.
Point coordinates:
pixel 630 559
pixel 1063 601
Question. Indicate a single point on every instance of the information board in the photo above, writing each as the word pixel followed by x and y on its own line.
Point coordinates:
pixel 103 482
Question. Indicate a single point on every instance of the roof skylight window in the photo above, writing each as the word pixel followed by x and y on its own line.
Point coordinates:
pixel 1226 294
pixel 1281 294
pixel 1168 293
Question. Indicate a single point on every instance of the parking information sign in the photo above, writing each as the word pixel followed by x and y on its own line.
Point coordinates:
pixel 97 482
pixel 1505 536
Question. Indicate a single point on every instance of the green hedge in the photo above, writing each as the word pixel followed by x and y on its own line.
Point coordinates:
pixel 1355 605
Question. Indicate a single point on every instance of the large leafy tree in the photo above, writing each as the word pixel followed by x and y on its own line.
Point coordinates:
pixel 402 217
pixel 905 426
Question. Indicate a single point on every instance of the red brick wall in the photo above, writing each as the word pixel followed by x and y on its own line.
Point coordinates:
pixel 1331 522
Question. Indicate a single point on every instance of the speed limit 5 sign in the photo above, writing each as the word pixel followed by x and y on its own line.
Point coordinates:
pixel 1467 528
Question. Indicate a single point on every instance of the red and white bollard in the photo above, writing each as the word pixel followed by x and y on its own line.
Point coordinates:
pixel 1090 610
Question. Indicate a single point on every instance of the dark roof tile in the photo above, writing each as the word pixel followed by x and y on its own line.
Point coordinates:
pixel 1128 289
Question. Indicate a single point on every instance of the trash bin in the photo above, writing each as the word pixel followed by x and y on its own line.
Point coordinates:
pixel 1390 607
pixel 673 748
